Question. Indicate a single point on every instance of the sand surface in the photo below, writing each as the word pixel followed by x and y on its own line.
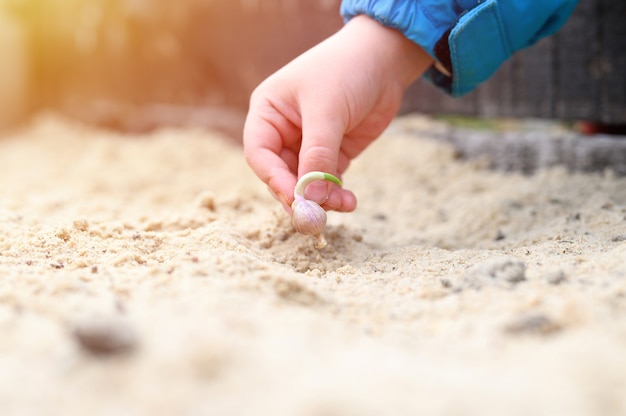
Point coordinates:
pixel 452 290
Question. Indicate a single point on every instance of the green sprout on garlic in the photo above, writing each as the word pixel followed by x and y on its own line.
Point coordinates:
pixel 308 217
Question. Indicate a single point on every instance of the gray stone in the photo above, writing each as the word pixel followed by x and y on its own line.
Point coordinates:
pixel 105 336
pixel 502 271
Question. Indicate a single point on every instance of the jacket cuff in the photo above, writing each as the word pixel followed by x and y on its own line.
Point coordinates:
pixel 423 22
pixel 468 43
pixel 477 46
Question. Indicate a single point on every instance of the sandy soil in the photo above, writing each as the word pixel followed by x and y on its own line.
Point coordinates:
pixel 154 275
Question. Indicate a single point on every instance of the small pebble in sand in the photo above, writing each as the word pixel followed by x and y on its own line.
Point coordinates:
pixel 104 336
pixel 57 265
pixel 555 277
pixel 504 271
pixel 537 324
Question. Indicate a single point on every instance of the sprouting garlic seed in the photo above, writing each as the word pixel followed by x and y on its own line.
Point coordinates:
pixel 307 216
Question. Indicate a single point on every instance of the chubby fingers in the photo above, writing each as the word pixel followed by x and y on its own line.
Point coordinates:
pixel 280 150
pixel 270 147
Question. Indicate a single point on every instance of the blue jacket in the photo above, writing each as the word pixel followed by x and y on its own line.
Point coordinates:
pixel 470 39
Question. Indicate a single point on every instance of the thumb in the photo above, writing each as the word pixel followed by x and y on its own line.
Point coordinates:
pixel 321 144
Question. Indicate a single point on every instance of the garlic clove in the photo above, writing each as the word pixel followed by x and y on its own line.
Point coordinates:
pixel 308 217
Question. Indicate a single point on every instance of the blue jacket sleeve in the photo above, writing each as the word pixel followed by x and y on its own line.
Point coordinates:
pixel 469 39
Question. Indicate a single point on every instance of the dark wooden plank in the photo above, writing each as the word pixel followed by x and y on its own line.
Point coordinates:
pixel 612 61
pixel 578 92
pixel 495 97
pixel 533 81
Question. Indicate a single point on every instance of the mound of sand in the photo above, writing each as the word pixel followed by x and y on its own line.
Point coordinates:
pixel 154 275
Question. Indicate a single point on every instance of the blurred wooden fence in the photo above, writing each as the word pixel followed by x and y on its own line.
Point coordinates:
pixel 100 59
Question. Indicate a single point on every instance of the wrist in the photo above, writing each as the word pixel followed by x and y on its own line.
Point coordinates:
pixel 403 58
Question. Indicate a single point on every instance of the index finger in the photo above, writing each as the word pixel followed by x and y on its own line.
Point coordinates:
pixel 271 145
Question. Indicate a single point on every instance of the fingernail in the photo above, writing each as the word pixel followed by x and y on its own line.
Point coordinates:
pixel 317 191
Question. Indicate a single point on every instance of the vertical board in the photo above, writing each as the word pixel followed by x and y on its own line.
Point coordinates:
pixel 577 47
pixel 613 60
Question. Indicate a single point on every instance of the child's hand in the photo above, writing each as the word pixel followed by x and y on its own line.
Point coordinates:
pixel 326 106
